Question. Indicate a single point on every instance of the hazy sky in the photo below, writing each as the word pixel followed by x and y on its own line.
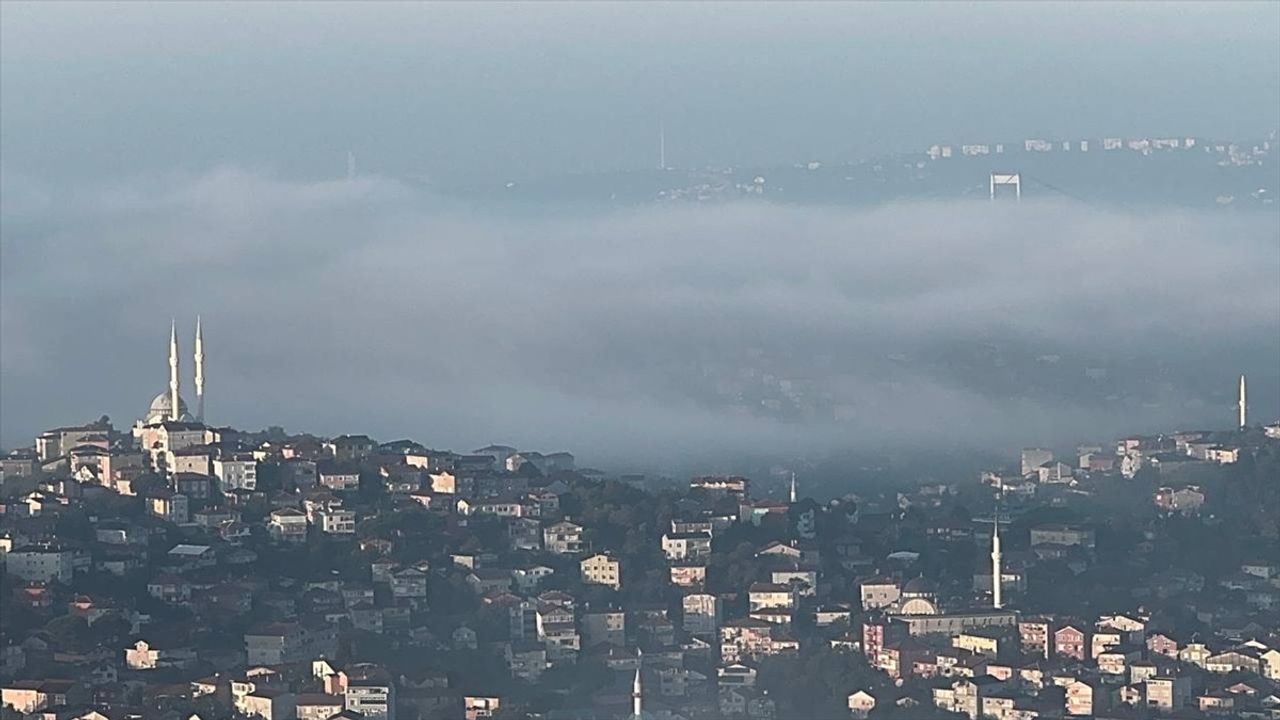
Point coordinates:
pixel 472 91
pixel 166 159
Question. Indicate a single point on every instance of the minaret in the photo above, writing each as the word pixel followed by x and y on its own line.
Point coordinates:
pixel 173 371
pixel 793 488
pixel 1243 406
pixel 662 146
pixel 636 709
pixel 199 358
pixel 997 574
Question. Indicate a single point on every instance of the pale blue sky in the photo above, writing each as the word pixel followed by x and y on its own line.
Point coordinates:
pixel 474 90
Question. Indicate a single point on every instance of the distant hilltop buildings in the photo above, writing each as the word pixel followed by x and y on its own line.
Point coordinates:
pixel 1232 153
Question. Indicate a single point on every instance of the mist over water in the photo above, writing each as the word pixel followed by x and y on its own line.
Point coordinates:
pixel 660 331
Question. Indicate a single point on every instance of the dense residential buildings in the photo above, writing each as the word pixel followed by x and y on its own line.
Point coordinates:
pixel 181 570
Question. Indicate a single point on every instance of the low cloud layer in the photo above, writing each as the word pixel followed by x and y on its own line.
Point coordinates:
pixel 659 332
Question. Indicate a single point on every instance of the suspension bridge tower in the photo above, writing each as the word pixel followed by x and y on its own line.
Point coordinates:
pixel 1013 180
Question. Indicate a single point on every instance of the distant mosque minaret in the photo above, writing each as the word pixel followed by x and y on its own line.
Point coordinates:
pixel 175 400
pixel 169 406
pixel 637 695
pixel 997 571
pixel 1243 406
pixel 793 488
pixel 199 357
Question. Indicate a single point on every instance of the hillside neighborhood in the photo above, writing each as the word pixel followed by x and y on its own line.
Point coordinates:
pixel 182 570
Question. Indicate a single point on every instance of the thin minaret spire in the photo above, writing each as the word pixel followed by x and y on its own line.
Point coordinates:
pixel 793 488
pixel 173 370
pixel 997 572
pixel 1243 406
pixel 662 146
pixel 636 694
pixel 199 358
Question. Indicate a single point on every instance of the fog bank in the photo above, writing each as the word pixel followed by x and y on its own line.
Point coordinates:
pixel 667 332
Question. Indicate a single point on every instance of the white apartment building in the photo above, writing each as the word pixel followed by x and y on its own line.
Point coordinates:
pixel 337 521
pixel 237 473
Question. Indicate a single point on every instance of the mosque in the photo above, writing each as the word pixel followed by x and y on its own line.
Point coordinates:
pixel 169 425
pixel 169 406
pixel 918 607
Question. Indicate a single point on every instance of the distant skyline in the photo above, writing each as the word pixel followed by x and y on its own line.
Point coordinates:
pixel 463 92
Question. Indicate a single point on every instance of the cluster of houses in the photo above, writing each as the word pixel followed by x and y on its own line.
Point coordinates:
pixel 1225 662
pixel 177 519
pixel 1171 458
pixel 188 571
pixel 1044 666
pixel 196 517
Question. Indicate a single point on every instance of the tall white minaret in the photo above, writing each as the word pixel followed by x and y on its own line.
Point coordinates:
pixel 997 573
pixel 199 358
pixel 793 488
pixel 636 704
pixel 662 146
pixel 1243 406
pixel 173 371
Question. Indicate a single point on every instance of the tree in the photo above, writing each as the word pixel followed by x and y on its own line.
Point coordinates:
pixel 74 525
pixel 270 478
pixel 68 631
pixel 733 571
pixel 815 683
pixel 109 631
pixel 147 483
pixel 371 487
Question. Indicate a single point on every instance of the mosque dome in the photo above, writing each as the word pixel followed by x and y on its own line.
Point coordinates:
pixel 161 408
pixel 918 598
pixel 919 605
pixel 918 587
